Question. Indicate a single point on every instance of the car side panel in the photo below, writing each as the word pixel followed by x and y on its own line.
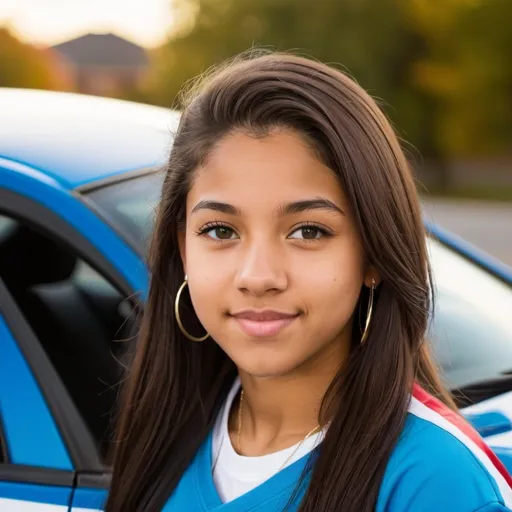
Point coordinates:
pixel 89 500
pixel 17 497
pixel 31 433
pixel 502 404
pixel 32 438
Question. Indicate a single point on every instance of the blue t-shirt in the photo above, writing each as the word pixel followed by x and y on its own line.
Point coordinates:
pixel 439 464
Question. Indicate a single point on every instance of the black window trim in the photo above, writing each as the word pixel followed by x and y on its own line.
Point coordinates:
pixel 118 178
pixel 17 473
pixel 76 436
pixel 94 480
pixel 5 456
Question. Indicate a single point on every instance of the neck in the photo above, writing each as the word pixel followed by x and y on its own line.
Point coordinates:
pixel 278 412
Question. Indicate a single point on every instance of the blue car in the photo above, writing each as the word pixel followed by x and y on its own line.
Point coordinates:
pixel 79 178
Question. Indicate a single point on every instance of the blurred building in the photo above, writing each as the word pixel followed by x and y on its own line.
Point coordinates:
pixel 102 64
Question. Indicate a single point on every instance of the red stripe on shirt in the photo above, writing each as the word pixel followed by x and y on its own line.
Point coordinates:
pixel 456 420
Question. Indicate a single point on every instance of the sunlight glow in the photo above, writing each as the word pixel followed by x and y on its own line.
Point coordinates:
pixel 48 22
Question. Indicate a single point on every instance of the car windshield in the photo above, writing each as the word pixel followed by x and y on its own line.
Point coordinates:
pixel 472 328
pixel 471 333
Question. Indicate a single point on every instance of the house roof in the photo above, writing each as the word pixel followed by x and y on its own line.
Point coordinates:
pixel 103 50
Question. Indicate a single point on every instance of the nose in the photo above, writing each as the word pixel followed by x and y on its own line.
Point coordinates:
pixel 261 271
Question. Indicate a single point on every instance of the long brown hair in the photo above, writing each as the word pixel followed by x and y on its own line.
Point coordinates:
pixel 175 387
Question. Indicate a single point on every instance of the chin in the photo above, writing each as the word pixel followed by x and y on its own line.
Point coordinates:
pixel 266 368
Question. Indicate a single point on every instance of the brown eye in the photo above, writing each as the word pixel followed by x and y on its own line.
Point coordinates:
pixel 307 233
pixel 310 233
pixel 221 233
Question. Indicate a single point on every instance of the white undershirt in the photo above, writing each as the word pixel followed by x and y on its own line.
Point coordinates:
pixel 235 474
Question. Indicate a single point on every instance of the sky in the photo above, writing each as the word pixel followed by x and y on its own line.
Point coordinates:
pixel 48 22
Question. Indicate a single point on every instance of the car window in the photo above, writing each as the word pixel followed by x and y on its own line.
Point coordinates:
pixel 81 320
pixel 131 204
pixel 472 328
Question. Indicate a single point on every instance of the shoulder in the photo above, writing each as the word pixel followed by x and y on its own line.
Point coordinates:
pixel 440 463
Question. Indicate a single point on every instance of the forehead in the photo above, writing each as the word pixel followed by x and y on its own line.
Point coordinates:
pixel 280 167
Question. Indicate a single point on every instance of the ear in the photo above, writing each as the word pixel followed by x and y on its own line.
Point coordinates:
pixel 182 249
pixel 372 274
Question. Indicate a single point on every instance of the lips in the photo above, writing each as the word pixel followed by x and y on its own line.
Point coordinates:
pixel 263 323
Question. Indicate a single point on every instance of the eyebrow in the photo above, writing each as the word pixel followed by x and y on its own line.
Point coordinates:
pixel 319 203
pixel 216 206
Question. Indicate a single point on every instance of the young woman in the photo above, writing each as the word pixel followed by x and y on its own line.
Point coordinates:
pixel 282 362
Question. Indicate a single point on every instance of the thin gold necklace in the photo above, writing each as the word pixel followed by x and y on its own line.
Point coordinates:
pixel 240 412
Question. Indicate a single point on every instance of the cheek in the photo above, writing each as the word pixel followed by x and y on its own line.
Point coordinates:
pixel 331 285
pixel 208 275
pixel 204 260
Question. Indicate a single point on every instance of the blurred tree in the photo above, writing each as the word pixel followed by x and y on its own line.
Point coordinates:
pixel 440 68
pixel 468 71
pixel 22 65
pixel 372 41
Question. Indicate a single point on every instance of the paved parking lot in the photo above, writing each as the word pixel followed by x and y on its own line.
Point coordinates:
pixel 486 225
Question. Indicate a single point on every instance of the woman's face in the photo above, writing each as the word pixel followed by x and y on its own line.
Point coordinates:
pixel 274 262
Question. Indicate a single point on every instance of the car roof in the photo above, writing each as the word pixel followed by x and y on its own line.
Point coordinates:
pixel 78 139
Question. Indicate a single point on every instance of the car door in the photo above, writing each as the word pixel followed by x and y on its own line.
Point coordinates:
pixel 37 248
pixel 36 470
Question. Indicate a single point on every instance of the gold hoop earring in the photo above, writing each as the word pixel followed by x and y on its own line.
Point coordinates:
pixel 368 313
pixel 178 318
